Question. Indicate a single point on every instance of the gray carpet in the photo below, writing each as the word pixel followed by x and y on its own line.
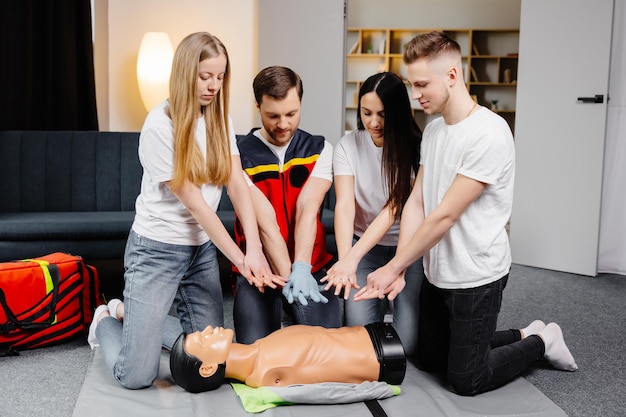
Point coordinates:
pixel 591 311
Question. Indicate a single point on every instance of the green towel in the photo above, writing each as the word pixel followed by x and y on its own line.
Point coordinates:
pixel 255 400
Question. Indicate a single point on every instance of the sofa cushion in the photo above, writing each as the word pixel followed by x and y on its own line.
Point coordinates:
pixel 75 192
pixel 66 225
pixel 68 171
pixel 88 249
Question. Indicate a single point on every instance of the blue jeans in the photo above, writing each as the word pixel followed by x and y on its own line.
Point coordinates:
pixel 156 275
pixel 458 336
pixel 405 307
pixel 257 314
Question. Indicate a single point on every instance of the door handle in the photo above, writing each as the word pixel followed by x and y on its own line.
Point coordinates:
pixel 598 98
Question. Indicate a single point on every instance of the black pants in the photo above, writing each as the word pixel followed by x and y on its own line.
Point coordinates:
pixel 257 314
pixel 457 335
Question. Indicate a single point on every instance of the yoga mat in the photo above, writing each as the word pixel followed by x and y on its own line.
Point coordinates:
pixel 422 394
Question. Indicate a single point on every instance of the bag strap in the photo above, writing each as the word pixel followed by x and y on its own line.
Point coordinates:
pixel 12 320
pixel 375 408
pixel 52 279
pixel 44 265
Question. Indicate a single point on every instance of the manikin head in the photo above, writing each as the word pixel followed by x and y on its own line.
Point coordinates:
pixel 198 360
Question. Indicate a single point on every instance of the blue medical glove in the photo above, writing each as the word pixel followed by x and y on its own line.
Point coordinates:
pixel 302 285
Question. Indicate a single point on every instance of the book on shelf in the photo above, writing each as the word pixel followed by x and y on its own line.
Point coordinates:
pixel 381 45
pixel 355 47
pixel 474 76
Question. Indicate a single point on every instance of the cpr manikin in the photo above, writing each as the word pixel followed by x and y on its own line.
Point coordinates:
pixel 296 354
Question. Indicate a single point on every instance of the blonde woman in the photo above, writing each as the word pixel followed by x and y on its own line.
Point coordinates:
pixel 188 152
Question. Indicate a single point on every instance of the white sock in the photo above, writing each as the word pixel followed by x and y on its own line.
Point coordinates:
pixel 113 308
pixel 557 352
pixel 533 328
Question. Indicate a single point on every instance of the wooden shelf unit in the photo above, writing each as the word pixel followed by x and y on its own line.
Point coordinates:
pixel 490 58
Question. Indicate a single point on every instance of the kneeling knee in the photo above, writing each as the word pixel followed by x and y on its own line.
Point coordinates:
pixel 134 383
pixel 463 385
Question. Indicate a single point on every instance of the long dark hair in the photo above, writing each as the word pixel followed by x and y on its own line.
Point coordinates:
pixel 402 135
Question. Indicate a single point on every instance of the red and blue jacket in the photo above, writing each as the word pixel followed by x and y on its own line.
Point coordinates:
pixel 282 188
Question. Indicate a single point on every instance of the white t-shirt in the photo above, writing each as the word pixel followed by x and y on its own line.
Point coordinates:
pixel 159 214
pixel 357 155
pixel 476 250
pixel 323 167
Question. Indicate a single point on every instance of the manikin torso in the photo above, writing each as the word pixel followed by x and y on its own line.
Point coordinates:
pixel 305 355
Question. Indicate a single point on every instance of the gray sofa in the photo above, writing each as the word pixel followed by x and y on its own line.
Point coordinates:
pixel 75 192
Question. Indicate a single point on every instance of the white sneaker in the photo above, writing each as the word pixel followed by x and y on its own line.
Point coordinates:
pixel 91 338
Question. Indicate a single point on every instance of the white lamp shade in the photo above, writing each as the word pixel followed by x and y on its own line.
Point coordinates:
pixel 154 65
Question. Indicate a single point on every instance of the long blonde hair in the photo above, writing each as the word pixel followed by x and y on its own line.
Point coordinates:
pixel 189 165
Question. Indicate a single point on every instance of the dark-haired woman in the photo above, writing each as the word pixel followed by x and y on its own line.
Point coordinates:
pixel 374 167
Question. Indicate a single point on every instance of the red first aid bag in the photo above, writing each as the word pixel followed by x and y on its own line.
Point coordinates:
pixel 45 301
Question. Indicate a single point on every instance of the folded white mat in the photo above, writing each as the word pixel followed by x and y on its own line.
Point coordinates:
pixel 422 394
pixel 256 400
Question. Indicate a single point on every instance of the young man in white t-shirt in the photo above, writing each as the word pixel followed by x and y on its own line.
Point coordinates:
pixel 456 217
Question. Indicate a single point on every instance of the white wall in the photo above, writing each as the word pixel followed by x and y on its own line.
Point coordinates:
pixel 612 248
pixel 311 43
pixel 119 27
pixel 433 14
